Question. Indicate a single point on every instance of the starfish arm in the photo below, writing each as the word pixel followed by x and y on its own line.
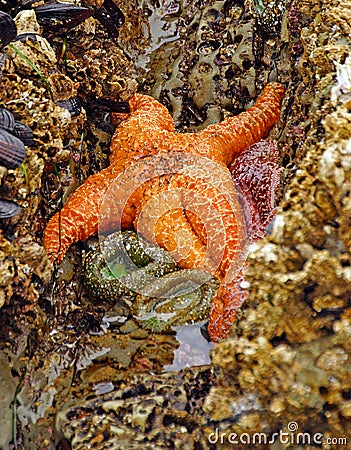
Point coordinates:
pixel 193 213
pixel 175 234
pixel 152 113
pixel 256 174
pixel 215 216
pixel 78 219
pixel 138 135
pixel 234 135
pixel 162 221
pixel 228 299
pixel 198 224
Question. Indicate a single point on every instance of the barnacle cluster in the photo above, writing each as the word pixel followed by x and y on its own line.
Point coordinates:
pixel 289 354
pixel 290 350
pixel 103 71
pixel 24 93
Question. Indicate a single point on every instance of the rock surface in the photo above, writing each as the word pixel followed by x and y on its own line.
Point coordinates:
pixel 287 363
pixel 290 350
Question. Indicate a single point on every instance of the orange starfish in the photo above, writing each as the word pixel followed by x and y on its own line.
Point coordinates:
pixel 174 188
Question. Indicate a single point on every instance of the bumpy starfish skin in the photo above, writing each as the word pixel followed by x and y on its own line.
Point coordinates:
pixel 256 174
pixel 167 210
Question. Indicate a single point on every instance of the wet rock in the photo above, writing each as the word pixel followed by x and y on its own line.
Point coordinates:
pixel 129 327
pixel 289 349
pixel 7 386
pixel 203 65
pixel 146 405
pixel 139 334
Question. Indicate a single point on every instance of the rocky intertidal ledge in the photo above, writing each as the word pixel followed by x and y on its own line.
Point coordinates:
pixel 288 358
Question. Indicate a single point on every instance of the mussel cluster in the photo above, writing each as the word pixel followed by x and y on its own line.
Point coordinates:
pixel 8 29
pixel 60 17
pixel 56 18
pixel 14 135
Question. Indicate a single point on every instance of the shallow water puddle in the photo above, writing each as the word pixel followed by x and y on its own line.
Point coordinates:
pixel 193 350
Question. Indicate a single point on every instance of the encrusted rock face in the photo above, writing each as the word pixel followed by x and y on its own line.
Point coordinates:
pixel 289 356
pixel 103 71
pixel 204 58
pixel 153 406
pixel 32 45
pixel 38 89
pixel 25 94
pixel 95 62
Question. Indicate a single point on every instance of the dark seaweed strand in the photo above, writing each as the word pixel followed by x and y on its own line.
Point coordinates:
pixel 79 167
pixel 25 173
pixel 63 54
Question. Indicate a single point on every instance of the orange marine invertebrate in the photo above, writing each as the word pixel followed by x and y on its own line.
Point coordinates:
pixel 176 190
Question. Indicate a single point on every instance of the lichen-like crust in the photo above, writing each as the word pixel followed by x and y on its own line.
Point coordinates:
pixel 149 131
